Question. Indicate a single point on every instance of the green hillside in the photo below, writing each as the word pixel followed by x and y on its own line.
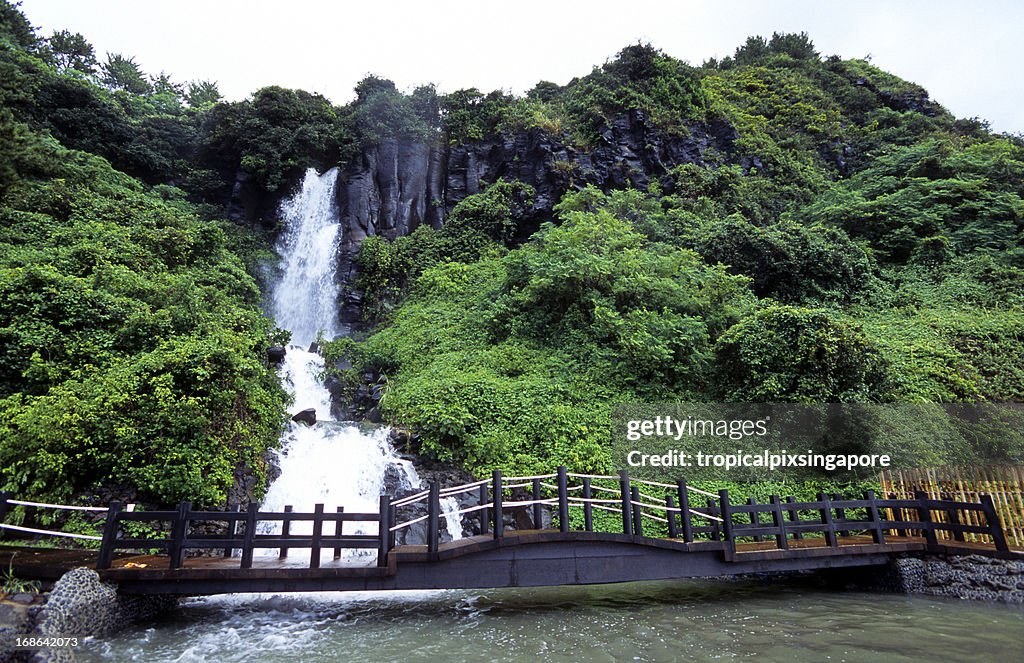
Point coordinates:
pixel 845 239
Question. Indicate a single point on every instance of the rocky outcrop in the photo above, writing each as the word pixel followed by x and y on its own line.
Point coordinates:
pixel 399 185
pixel 307 416
pixel 389 191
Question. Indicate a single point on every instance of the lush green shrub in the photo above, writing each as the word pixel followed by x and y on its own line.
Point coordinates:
pixel 788 261
pixel 782 353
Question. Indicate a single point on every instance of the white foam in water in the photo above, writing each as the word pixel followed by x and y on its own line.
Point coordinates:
pixel 329 463
pixel 300 373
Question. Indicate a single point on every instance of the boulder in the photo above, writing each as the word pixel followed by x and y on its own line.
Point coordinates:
pixel 275 354
pixel 307 416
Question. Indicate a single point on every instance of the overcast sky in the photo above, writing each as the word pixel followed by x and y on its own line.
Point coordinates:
pixel 966 54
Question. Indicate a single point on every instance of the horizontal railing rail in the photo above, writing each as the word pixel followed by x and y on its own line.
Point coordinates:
pixel 6 502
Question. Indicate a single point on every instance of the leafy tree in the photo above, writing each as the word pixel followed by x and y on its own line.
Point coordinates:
pixel 912 196
pixel 381 111
pixel 274 136
pixel 201 94
pixel 756 49
pixel 788 261
pixel 123 73
pixel 131 342
pixel 494 213
pixel 15 28
pixel 165 94
pixel 69 51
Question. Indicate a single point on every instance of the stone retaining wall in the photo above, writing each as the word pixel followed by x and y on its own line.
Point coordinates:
pixel 973 577
pixel 79 604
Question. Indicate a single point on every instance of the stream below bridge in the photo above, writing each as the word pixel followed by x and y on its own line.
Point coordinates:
pixel 663 621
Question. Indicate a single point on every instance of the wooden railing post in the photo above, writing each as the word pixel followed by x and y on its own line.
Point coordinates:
pixel 484 516
pixel 318 532
pixel 627 511
pixel 178 530
pixel 232 530
pixel 716 529
pixel 393 518
pixel 286 530
pixel 877 534
pixel 339 528
pixel 840 514
pixel 433 517
pixel 670 505
pixel 563 499
pixel 588 508
pixel 684 510
pixel 537 511
pixel 780 522
pixel 755 519
pixel 898 516
pixel 109 544
pixel 726 516
pixel 924 514
pixel 794 517
pixel 638 519
pixel 250 535
pixel 994 525
pixel 384 530
pixel 496 493
pixel 826 520
pixel 953 518
pixel 4 507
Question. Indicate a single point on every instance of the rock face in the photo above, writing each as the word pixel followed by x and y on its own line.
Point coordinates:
pixel 399 185
pixel 276 354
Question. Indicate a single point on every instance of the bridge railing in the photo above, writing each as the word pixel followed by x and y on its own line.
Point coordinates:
pixel 651 508
pixel 832 518
pixel 572 499
pixel 186 532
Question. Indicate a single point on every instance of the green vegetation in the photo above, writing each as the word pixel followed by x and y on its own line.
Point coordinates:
pixel 860 245
pixel 842 238
pixel 131 340
pixel 11 584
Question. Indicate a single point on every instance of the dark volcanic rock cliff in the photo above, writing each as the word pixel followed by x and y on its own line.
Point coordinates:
pixel 398 185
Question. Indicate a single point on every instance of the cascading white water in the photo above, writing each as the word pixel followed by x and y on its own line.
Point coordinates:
pixel 305 299
pixel 331 463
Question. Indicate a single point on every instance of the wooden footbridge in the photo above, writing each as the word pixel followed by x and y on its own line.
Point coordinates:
pixel 661 531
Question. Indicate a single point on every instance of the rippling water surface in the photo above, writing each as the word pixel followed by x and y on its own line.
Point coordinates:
pixel 700 621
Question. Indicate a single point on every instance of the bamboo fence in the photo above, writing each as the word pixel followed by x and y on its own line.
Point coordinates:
pixel 1005 483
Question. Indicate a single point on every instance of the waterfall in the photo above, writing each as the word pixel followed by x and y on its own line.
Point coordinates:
pixel 332 463
pixel 305 299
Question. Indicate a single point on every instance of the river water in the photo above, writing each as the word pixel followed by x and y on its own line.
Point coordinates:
pixel 664 621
